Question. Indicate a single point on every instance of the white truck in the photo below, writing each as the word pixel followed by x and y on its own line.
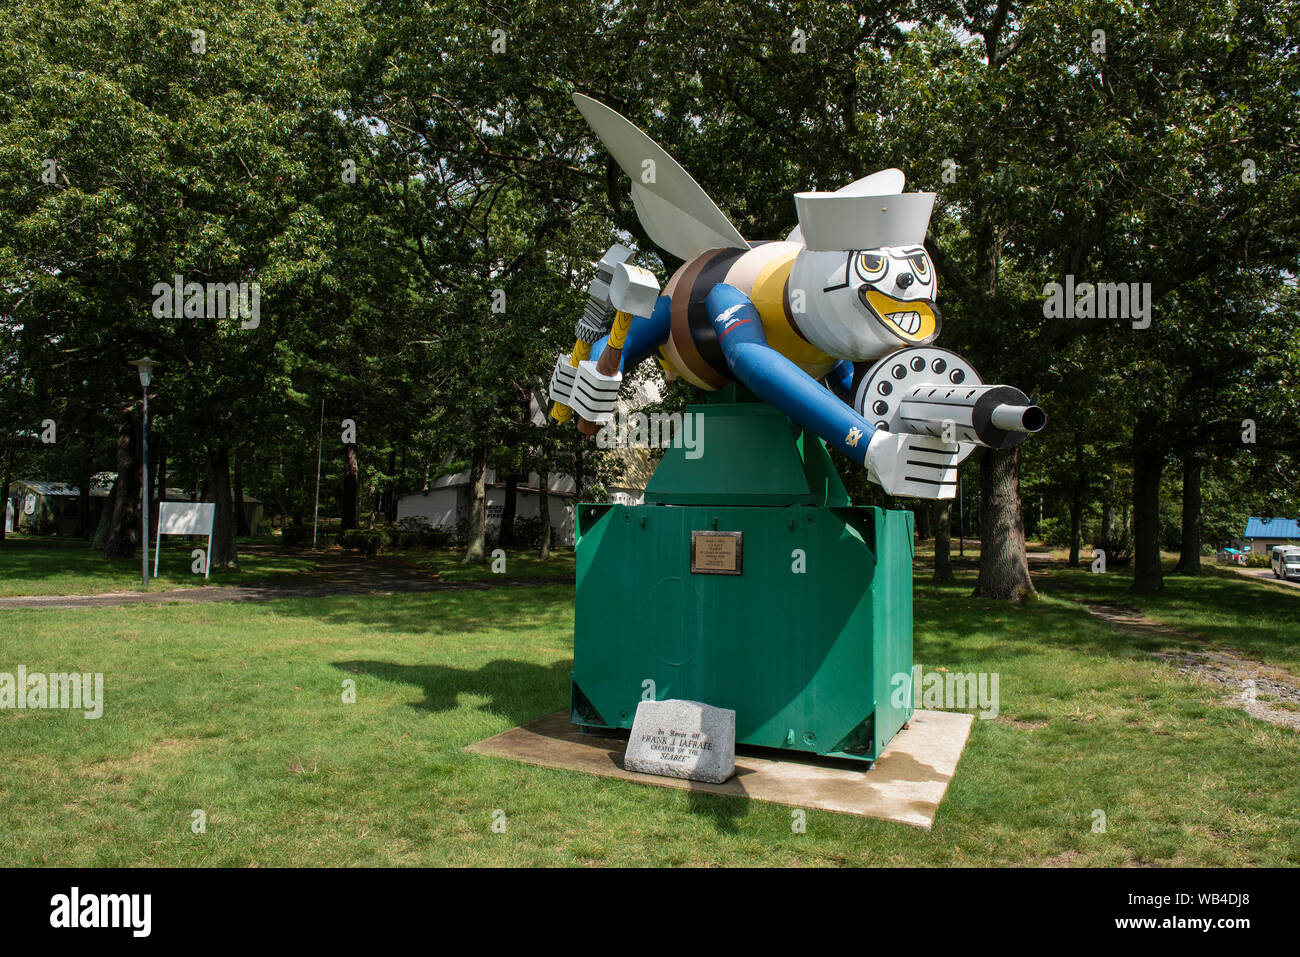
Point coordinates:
pixel 1285 560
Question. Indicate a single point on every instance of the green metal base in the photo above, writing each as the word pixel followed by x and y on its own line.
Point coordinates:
pixel 804 644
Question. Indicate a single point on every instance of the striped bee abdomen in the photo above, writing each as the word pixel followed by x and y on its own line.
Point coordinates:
pixel 760 273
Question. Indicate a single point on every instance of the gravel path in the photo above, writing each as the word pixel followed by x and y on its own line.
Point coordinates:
pixel 1267 575
pixel 1243 681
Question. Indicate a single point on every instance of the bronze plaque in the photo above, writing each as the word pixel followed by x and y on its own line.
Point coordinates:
pixel 716 553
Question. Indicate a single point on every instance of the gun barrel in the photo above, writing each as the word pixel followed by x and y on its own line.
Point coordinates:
pixel 996 416
pixel 1018 418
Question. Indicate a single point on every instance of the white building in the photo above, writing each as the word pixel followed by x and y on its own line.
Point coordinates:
pixel 446 503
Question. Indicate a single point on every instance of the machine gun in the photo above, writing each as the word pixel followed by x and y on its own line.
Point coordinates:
pixel 930 410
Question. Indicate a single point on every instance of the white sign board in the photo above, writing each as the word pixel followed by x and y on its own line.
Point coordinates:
pixel 185 518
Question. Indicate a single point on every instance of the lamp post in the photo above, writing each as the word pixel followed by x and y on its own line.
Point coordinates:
pixel 145 368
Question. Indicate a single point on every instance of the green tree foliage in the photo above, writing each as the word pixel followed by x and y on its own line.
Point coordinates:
pixel 420 206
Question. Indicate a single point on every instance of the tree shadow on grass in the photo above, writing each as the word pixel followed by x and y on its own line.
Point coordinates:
pixel 525 609
pixel 81 568
pixel 1216 606
pixel 953 629
pixel 34 559
pixel 518 690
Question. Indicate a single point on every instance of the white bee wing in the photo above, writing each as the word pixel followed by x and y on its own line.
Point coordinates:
pixel 675 212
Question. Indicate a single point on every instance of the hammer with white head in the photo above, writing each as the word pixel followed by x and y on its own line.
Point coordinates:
pixel 633 292
pixel 595 318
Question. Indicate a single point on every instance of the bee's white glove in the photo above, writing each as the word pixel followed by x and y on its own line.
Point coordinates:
pixel 918 466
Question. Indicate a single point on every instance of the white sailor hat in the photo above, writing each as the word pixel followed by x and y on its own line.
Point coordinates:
pixel 867 214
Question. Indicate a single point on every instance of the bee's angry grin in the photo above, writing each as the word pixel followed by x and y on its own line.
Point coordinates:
pixel 912 320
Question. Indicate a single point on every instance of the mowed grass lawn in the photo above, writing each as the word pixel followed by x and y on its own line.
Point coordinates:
pixel 236 710
pixel 69 566
pixel 516 563
pixel 32 565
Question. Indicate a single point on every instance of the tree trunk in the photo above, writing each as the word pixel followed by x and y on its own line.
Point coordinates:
pixel 579 471
pixel 1076 525
pixel 4 502
pixel 508 510
pixel 223 519
pixel 160 473
pixel 1189 561
pixel 544 511
pixel 922 517
pixel 349 518
pixel 83 499
pixel 476 533
pixel 943 540
pixel 1108 512
pixel 124 524
pixel 391 512
pixel 1076 501
pixel 1147 466
pixel 241 513
pixel 100 538
pixel 1004 567
pixel 961 517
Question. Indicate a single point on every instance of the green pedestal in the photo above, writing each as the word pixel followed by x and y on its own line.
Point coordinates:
pixel 810 643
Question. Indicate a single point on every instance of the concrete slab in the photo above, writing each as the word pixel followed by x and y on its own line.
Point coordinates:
pixel 905 785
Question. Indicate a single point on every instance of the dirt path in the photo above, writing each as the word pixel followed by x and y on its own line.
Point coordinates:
pixel 1243 681
pixel 1266 575
pixel 334 574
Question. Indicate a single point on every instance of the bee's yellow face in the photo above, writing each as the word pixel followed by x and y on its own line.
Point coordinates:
pixel 868 302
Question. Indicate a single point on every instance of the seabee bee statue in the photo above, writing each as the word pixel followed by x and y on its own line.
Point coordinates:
pixel 834 326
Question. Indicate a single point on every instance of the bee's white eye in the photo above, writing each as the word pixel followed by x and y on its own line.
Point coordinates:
pixel 871 265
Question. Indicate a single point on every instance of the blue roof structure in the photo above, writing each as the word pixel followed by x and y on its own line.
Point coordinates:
pixel 1272 528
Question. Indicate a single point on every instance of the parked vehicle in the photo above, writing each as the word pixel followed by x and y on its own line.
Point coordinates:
pixel 1285 560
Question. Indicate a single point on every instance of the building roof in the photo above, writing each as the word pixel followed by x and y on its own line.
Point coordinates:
pixel 61 489
pixel 49 488
pixel 1272 528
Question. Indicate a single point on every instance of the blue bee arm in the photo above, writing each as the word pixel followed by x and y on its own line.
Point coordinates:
pixel 644 336
pixel 775 379
pixel 840 380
